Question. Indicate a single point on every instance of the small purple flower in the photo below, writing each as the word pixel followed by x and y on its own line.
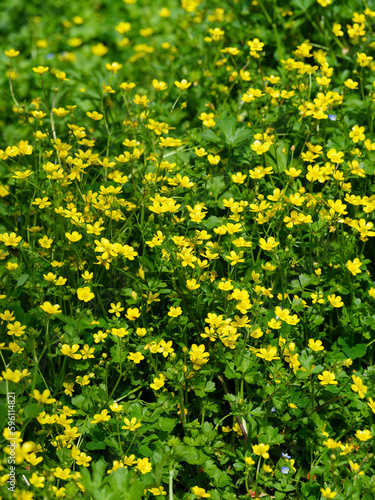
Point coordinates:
pixel 273 409
pixel 285 455
pixel 332 117
pixel 284 470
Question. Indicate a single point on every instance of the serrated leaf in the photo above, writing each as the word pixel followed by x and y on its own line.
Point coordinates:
pixel 216 185
pixel 199 393
pixel 243 134
pixel 228 127
pixel 209 135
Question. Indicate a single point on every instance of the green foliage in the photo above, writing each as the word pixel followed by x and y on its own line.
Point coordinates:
pixel 186 250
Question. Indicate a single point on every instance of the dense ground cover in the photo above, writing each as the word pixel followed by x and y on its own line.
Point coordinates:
pixel 186 250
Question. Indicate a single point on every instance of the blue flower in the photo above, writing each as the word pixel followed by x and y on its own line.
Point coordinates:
pixel 332 117
pixel 285 470
pixel 285 455
pixel 273 409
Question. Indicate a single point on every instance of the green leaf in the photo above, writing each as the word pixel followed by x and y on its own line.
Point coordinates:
pixel 242 134
pixel 270 435
pixel 303 281
pixel 96 445
pixel 209 135
pixel 22 279
pixel 228 127
pixel 165 424
pixel 78 401
pixel 216 185
pixel 31 410
pixel 317 369
pixel 357 351
pixel 211 222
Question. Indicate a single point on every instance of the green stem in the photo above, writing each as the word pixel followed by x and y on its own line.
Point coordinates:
pixel 171 470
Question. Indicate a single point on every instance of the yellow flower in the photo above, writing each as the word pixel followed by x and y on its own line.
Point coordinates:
pixel 141 332
pixel 182 85
pixel 12 53
pixel 327 378
pixel 200 151
pixel 159 85
pixel 213 160
pixel 87 276
pixel 14 376
pixel 99 49
pixel 143 465
pixel 116 407
pixel 127 86
pixel 260 148
pixel 372 404
pixel 113 67
pixel 158 383
pixel 10 240
pixel 16 329
pixel 335 157
pixel 268 354
pixel 337 31
pixel 255 46
pixel 132 424
pixel 239 178
pixel 101 417
pixel 354 266
pixel 363 435
pixel 141 100
pixel 74 236
pixel 335 301
pixel 116 309
pixel 249 461
pixel 350 84
pixel 268 245
pixel 94 115
pixel 192 284
pixel 174 312
pixel 316 345
pixel 41 70
pixel 235 258
pixel 136 357
pixel 200 492
pixel 327 492
pixel 107 89
pixel 37 481
pixel 331 444
pixel 363 60
pixel 357 134
pixel 355 467
pixel 132 313
pixel 85 294
pixel 11 266
pixel 359 386
pixel 22 175
pixel 261 450
pixel 198 356
pixel 50 309
pixel 43 398
pixel 60 112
